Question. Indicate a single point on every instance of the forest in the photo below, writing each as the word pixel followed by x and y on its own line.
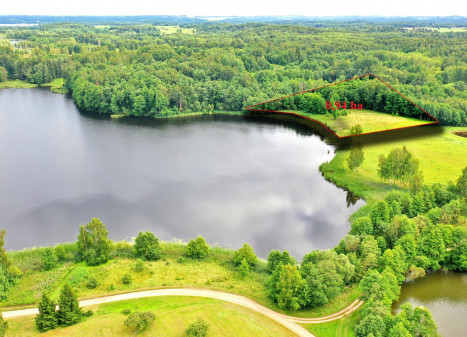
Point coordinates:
pixel 136 70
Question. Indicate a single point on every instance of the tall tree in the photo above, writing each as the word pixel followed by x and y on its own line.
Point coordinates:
pixel 147 246
pixel 69 312
pixel 47 318
pixel 355 158
pixel 93 244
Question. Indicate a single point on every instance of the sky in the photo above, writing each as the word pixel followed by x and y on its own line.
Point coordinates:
pixel 236 7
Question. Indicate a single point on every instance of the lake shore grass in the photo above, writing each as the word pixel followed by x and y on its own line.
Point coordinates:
pixel 16 84
pixel 57 86
pixel 173 315
pixel 174 270
pixel 370 121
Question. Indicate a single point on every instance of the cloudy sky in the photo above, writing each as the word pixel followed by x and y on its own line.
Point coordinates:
pixel 238 7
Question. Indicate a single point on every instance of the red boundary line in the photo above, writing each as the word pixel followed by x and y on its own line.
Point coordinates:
pixel 250 108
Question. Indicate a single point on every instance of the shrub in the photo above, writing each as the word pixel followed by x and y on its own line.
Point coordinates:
pixel 198 329
pixel 49 260
pixel 92 283
pixel 198 248
pixel 89 313
pixel 140 321
pixel 93 244
pixel 147 246
pixel 139 266
pixel 126 279
pixel 245 253
pixel 126 311
pixel 244 268
pixel 122 249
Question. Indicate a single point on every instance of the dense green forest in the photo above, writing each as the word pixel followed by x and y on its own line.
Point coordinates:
pixel 137 70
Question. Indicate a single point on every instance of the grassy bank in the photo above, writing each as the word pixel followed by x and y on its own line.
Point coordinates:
pixel 173 315
pixel 57 86
pixel 442 157
pixel 16 84
pixel 174 270
pixel 370 121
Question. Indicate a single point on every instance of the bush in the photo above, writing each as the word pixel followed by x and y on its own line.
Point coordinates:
pixel 122 249
pixel 49 260
pixel 244 268
pixel 126 279
pixel 198 248
pixel 126 311
pixel 140 321
pixel 198 329
pixel 245 253
pixel 92 283
pixel 139 266
pixel 93 244
pixel 147 246
pixel 89 313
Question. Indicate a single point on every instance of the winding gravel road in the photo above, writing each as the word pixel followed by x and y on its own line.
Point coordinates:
pixel 289 322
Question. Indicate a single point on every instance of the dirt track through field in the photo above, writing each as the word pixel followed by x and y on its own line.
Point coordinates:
pixel 289 322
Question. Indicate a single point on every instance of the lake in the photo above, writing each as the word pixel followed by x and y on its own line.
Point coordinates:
pixel 232 179
pixel 445 295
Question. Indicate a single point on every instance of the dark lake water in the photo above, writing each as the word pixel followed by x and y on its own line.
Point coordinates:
pixel 229 178
pixel 445 294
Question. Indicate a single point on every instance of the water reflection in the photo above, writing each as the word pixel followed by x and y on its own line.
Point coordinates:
pixel 231 179
pixel 445 295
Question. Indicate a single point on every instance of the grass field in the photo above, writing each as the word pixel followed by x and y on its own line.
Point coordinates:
pixel 57 86
pixel 343 327
pixel 174 29
pixel 17 84
pixel 173 315
pixel 215 272
pixel 442 157
pixel 370 121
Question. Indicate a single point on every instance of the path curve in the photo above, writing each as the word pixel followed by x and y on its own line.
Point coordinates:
pixel 289 322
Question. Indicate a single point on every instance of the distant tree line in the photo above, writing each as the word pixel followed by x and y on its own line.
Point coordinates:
pixel 133 70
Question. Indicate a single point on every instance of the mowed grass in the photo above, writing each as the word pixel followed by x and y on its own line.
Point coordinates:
pixel 370 121
pixel 173 315
pixel 57 86
pixel 343 327
pixel 442 158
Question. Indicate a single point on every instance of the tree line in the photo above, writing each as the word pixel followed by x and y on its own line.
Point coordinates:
pixel 132 70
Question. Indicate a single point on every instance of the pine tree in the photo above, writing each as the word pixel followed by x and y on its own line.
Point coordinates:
pixel 69 312
pixel 47 318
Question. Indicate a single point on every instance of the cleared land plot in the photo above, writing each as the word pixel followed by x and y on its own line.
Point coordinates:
pixel 175 29
pixel 370 121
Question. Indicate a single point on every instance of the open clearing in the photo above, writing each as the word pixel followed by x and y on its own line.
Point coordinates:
pixel 449 150
pixel 370 121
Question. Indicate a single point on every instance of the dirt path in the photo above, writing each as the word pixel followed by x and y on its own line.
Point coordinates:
pixel 289 322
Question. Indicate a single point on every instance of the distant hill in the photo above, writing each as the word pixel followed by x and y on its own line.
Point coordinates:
pixel 413 21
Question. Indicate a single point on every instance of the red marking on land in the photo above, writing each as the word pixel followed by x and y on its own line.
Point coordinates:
pixel 250 108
